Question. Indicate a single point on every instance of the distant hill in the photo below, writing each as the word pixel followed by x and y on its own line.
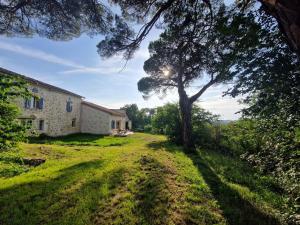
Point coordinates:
pixel 224 121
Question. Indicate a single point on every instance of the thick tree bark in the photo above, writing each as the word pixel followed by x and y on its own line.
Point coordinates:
pixel 287 14
pixel 186 120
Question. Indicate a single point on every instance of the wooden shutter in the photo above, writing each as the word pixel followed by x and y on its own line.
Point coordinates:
pixel 27 103
pixel 41 103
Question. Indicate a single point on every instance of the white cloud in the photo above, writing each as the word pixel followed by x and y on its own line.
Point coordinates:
pixel 37 54
pixel 111 66
pixel 101 70
pixel 225 107
pixel 142 53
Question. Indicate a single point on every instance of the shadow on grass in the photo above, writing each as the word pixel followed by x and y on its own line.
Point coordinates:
pixel 144 200
pixel 236 210
pixel 79 140
pixel 164 145
pixel 70 198
pixel 152 192
pixel 66 139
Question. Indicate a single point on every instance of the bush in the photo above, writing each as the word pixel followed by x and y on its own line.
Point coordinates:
pixel 148 128
pixel 239 137
pixel 11 164
pixel 11 131
pixel 272 148
pixel 167 121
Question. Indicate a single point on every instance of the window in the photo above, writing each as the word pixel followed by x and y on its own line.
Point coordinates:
pixel 41 125
pixel 74 122
pixel 69 106
pixel 34 103
pixel 35 90
pixel 27 103
pixel 39 103
pixel 113 124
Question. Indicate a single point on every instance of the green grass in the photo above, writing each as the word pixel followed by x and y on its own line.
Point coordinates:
pixel 82 140
pixel 11 164
pixel 145 180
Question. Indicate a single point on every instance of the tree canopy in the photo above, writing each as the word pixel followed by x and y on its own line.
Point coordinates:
pixel 158 12
pixel 140 118
pixel 196 45
pixel 267 71
pixel 63 20
pixel 54 19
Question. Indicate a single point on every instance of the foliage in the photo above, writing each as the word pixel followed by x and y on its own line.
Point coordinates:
pixel 118 35
pixel 166 120
pixel 240 136
pixel 146 181
pixel 270 148
pixel 193 47
pixel 140 118
pixel 146 115
pixel 12 87
pixel 132 112
pixel 63 20
pixel 11 164
pixel 58 20
pixel 150 13
pixel 11 131
pixel 285 15
pixel 268 72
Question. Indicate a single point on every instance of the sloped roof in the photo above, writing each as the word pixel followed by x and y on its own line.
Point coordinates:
pixel 121 111
pixel 103 109
pixel 37 82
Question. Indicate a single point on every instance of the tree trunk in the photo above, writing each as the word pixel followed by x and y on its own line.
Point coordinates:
pixel 287 14
pixel 186 121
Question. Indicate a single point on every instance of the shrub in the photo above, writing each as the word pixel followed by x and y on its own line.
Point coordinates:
pixel 240 136
pixel 271 147
pixel 11 131
pixel 167 121
pixel 148 128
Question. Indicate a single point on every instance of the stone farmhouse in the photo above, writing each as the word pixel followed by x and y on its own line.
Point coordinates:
pixel 56 112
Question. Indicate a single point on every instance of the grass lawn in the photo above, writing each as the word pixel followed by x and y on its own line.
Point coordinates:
pixel 140 179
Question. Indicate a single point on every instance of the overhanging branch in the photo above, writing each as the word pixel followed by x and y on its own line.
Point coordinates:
pixel 202 90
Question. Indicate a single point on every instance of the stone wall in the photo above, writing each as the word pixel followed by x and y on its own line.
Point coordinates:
pixel 119 118
pixel 57 121
pixel 94 121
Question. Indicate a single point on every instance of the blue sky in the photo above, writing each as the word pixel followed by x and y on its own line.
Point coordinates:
pixel 76 66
